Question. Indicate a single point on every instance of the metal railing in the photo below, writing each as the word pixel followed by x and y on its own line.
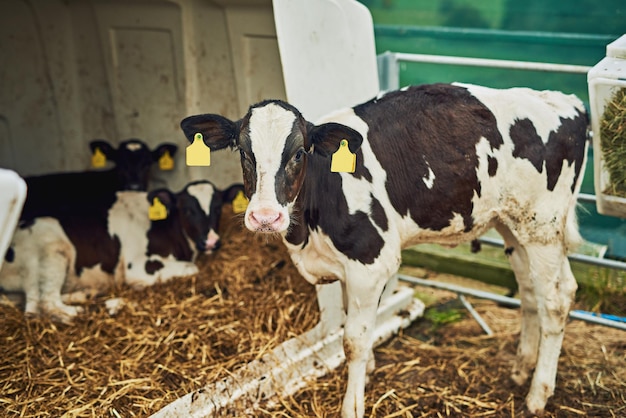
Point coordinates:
pixel 389 68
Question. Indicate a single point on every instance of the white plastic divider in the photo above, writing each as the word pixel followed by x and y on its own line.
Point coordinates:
pixel 12 195
pixel 291 365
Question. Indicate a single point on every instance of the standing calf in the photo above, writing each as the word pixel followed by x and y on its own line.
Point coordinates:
pixel 434 163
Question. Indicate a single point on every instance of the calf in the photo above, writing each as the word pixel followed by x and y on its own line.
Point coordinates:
pixel 85 253
pixel 435 163
pixel 51 194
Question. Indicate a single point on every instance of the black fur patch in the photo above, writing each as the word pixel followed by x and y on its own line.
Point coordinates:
pixel 430 127
pixel 9 256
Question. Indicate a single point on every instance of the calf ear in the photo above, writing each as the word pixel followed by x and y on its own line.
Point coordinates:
pixel 229 194
pixel 104 147
pixel 326 137
pixel 162 149
pixel 167 198
pixel 217 131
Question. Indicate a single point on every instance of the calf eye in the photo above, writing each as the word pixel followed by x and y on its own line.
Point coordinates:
pixel 298 155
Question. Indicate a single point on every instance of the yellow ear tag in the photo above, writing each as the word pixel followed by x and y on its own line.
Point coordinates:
pixel 240 203
pixel 198 154
pixel 98 159
pixel 166 162
pixel 343 161
pixel 157 210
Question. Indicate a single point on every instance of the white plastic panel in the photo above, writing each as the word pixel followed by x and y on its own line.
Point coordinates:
pixel 329 58
pixel 75 70
pixel 604 79
pixel 12 195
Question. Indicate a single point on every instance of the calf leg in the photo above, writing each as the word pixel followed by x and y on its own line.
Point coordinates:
pixel 56 262
pixel 555 286
pixel 528 347
pixel 362 297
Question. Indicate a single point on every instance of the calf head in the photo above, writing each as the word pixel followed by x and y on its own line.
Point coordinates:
pixel 275 142
pixel 195 211
pixel 133 160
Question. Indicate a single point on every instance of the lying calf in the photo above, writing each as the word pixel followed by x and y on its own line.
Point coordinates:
pixel 86 251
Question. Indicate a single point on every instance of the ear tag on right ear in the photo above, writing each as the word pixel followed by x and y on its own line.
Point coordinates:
pixel 157 210
pixel 343 161
pixel 240 203
pixel 166 162
pixel 198 154
pixel 98 159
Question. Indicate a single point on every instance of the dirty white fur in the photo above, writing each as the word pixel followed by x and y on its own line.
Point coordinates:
pixel 44 258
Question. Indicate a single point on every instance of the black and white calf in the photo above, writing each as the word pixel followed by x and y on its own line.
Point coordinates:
pixel 435 163
pixel 51 194
pixel 85 253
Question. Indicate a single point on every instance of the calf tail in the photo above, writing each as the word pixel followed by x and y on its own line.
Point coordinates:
pixel 573 239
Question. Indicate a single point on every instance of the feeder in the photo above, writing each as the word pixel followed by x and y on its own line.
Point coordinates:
pixel 607 100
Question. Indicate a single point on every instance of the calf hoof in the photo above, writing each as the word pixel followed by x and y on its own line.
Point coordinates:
pixel 531 413
pixel 523 412
pixel 62 313
pixel 190 270
pixel 535 405
pixel 520 375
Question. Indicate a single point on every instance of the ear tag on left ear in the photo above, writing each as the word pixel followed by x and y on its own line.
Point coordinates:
pixel 240 203
pixel 166 162
pixel 343 161
pixel 98 159
pixel 157 210
pixel 198 154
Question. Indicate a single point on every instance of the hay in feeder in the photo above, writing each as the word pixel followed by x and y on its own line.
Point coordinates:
pixel 613 143
pixel 173 338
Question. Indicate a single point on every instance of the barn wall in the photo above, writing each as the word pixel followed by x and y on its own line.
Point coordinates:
pixel 77 70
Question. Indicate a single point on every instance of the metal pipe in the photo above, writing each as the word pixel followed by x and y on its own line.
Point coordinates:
pixel 493 63
pixel 583 258
pixel 587 198
pixel 505 300
pixel 476 315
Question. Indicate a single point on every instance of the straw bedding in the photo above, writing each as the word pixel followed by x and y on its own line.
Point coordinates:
pixel 176 337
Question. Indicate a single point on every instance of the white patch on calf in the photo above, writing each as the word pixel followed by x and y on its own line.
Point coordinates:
pixel 134 146
pixel 543 108
pixel 531 214
pixel 128 219
pixel 203 192
pixel 137 277
pixel 44 258
pixel 429 180
pixel 269 128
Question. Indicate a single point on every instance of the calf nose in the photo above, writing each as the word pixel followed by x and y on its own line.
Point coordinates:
pixel 212 242
pixel 265 220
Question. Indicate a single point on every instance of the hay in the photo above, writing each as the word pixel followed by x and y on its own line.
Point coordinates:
pixel 167 341
pixel 174 338
pixel 613 142
pixel 460 372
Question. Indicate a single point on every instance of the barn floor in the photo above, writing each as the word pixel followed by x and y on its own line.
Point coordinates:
pixel 176 337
